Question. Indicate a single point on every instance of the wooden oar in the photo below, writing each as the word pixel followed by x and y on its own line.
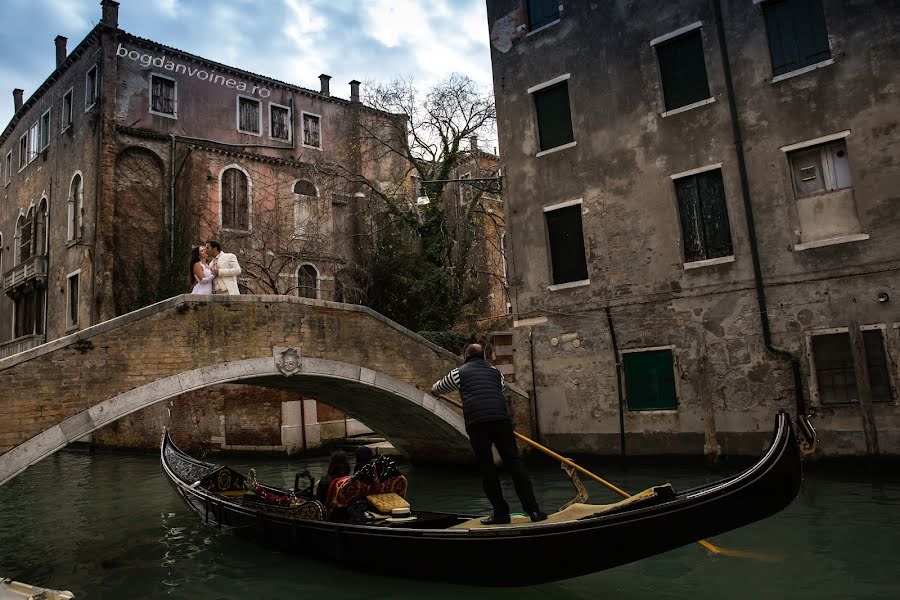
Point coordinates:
pixel 711 547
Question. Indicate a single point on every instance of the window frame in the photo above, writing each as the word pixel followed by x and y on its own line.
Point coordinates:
pixel 7 164
pixel 64 123
pixel 290 128
pixel 75 209
pixel 676 390
pixel 34 140
pixel 43 146
pixel 174 81
pixel 259 119
pixel 303 115
pixel 73 324
pixel 531 28
pixel 96 90
pixel 555 286
pixel 695 28
pixel 23 154
pixel 249 198
pixel 727 258
pixel 813 377
pixel 800 70
pixel 544 87
pixel 318 281
pixel 822 143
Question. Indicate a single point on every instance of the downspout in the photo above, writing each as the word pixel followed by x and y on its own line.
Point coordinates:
pixel 534 403
pixel 171 196
pixel 801 407
pixel 615 347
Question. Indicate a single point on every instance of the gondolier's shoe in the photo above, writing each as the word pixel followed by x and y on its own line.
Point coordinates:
pixel 496 519
pixel 537 516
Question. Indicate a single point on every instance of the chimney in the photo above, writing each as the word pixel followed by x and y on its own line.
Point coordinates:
pixel 325 80
pixel 354 91
pixel 110 13
pixel 17 98
pixel 473 143
pixel 60 50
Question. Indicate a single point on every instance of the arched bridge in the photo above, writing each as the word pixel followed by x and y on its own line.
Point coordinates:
pixel 344 355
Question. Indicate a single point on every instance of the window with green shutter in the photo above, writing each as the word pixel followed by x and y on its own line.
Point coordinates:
pixel 683 70
pixel 650 380
pixel 553 116
pixel 704 216
pixel 797 34
pixel 541 12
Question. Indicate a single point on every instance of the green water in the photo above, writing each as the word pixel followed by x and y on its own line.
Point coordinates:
pixel 110 526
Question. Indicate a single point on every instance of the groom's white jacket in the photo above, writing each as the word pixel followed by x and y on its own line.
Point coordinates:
pixel 229 269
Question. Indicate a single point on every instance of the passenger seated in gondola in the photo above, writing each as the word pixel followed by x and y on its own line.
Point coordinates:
pixel 379 476
pixel 338 467
pixel 364 456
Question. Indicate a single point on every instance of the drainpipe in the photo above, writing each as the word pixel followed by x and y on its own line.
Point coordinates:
pixel 751 228
pixel 615 347
pixel 171 196
pixel 534 403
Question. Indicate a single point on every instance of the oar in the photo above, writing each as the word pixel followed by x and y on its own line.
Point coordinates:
pixel 711 547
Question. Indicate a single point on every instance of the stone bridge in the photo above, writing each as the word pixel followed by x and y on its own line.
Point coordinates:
pixel 344 355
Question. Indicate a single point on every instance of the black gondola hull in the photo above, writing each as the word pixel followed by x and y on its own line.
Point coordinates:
pixel 526 555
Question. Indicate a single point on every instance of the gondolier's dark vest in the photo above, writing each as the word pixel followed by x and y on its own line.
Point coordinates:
pixel 481 390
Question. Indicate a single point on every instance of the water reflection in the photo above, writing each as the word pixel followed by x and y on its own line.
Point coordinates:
pixel 110 526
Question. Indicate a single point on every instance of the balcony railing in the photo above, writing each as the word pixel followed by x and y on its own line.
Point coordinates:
pixel 33 269
pixel 21 344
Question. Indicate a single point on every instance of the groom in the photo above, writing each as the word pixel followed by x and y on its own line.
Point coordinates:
pixel 225 267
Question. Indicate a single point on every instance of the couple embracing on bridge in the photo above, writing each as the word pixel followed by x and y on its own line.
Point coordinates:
pixel 217 277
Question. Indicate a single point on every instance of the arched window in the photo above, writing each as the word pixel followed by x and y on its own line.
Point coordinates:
pixel 40 233
pixel 75 207
pixel 307 282
pixel 25 233
pixel 235 199
pixel 305 188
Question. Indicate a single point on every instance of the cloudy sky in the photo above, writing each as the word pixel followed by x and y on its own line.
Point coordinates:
pixel 290 40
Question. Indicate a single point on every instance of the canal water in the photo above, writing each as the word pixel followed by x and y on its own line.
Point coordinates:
pixel 110 526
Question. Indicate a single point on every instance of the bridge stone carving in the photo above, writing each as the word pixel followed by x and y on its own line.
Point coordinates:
pixel 347 356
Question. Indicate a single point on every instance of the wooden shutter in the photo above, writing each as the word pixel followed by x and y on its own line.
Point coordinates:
pixel 834 368
pixel 241 201
pixel 541 12
pixel 650 380
pixel 567 257
pixel 797 34
pixel 683 70
pixel 691 218
pixel 876 363
pixel 704 216
pixel 554 116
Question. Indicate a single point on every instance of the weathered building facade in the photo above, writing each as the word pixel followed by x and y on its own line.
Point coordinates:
pixel 132 152
pixel 701 198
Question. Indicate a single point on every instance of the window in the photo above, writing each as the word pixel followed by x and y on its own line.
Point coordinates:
pixel 66 116
pixel 23 151
pixel 249 115
pixel 75 207
pixel 650 380
pixel 797 34
pixel 464 188
pixel 29 310
pixel 34 139
pixel 25 231
pixel 7 168
pixel 682 69
pixel 834 366
pixel 305 213
pixel 821 168
pixel 567 257
pixel 45 130
pixel 163 96
pixel 704 216
pixel 40 229
pixel 235 200
pixel 91 88
pixel 307 282
pixel 72 292
pixel 541 12
pixel 279 122
pixel 312 136
pixel 305 188
pixel 554 116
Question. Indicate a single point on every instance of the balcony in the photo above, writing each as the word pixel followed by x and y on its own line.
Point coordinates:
pixel 33 271
pixel 21 344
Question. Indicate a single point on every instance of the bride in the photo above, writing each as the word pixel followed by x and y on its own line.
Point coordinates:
pixel 202 274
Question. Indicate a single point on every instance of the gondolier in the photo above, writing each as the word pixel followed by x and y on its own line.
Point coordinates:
pixel 488 424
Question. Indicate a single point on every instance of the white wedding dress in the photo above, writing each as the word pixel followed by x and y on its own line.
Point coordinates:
pixel 205 285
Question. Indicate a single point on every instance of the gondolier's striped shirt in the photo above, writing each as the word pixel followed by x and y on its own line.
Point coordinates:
pixel 450 383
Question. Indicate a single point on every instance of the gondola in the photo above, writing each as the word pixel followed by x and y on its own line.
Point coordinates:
pixel 455 548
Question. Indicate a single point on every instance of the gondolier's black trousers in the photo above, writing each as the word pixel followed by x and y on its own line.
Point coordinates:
pixel 500 434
